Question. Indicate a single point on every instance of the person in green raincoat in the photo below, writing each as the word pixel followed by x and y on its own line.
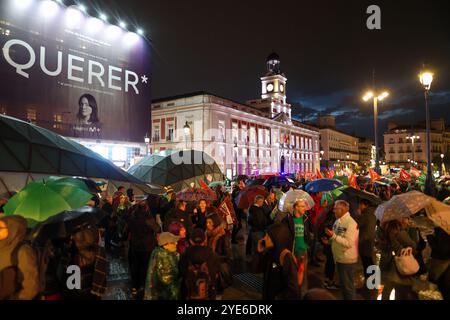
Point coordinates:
pixel 163 278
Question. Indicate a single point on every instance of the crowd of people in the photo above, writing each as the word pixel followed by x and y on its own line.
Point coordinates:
pixel 184 250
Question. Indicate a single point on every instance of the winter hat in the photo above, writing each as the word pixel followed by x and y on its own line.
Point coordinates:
pixel 175 227
pixel 198 236
pixel 167 237
pixel 216 219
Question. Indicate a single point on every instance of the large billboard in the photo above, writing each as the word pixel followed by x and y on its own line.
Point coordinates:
pixel 72 73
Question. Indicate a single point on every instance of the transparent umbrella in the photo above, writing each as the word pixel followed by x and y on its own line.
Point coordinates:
pixel 289 198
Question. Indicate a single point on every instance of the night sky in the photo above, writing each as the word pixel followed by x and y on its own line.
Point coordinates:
pixel 327 53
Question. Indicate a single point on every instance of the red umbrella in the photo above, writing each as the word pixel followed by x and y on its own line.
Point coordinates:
pixel 247 196
pixel 196 194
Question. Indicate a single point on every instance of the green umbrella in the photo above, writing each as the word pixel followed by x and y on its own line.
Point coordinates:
pixel 216 183
pixel 41 200
pixel 66 181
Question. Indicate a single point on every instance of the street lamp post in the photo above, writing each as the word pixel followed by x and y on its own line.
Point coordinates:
pixel 442 165
pixel 147 142
pixel 348 157
pixel 376 98
pixel 187 132
pixel 426 78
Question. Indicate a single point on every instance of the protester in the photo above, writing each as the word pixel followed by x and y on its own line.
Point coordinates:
pixel 327 222
pixel 238 187
pixel 392 239
pixel 107 222
pixel 270 203
pixel 91 259
pixel 181 215
pixel 440 261
pixel 367 223
pixel 278 263
pixel 199 269
pixel 344 244
pixel 142 229
pixel 19 273
pixel 299 238
pixel 163 278
pixel 177 228
pixel 220 244
pixel 200 213
pixel 258 223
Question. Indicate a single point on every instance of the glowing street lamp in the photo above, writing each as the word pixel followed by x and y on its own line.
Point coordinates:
pixel 147 142
pixel 376 97
pixel 187 131
pixel 426 78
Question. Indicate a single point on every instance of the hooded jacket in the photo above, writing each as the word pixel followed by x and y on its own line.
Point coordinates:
pixel 280 282
pixel 27 269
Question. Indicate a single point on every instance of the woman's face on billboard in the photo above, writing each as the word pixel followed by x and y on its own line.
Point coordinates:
pixel 86 109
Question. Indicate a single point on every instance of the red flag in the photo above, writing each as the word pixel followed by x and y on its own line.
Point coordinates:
pixel 330 174
pixel 373 175
pixel 352 181
pixel 405 176
pixel 204 186
pixel 226 211
pixel 318 174
pixel 414 172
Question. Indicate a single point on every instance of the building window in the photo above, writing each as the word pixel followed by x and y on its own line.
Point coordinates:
pixel 156 133
pixel 253 154
pixel 260 135
pixel 234 131
pixel 221 130
pixel 252 134
pixel 303 143
pixel 275 136
pixel 244 153
pixel 297 142
pixel 57 121
pixel 31 115
pixel 268 136
pixel 222 152
pixel 244 133
pixel 170 131
pixel 310 143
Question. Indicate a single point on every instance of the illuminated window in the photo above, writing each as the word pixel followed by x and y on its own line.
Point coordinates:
pixel 303 143
pixel 31 115
pixel 244 133
pixel 234 131
pixel 156 133
pixel 244 152
pixel 221 126
pixel 267 136
pixel 261 136
pixel 57 120
pixel 252 135
pixel 222 151
pixel 170 130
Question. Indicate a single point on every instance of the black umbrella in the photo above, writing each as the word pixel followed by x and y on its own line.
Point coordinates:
pixel 361 194
pixel 67 223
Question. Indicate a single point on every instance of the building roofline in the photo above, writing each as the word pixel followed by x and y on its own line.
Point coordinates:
pixel 342 132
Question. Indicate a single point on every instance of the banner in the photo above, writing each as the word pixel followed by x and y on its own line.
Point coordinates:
pixel 73 74
pixel 226 211
pixel 405 176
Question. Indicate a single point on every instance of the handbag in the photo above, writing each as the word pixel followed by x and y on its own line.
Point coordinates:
pixel 406 264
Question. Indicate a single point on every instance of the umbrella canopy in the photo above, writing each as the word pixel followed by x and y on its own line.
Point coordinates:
pixel 323 185
pixel 66 223
pixel 287 201
pixel 247 196
pixel 27 148
pixel 196 194
pixel 361 194
pixel 439 213
pixel 177 169
pixel 40 200
pixel 80 182
pixel 216 183
pixel 403 205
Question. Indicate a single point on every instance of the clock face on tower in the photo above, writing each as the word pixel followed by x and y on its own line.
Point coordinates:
pixel 269 87
pixel 281 88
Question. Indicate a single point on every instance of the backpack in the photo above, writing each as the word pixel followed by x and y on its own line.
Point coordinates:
pixel 198 281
